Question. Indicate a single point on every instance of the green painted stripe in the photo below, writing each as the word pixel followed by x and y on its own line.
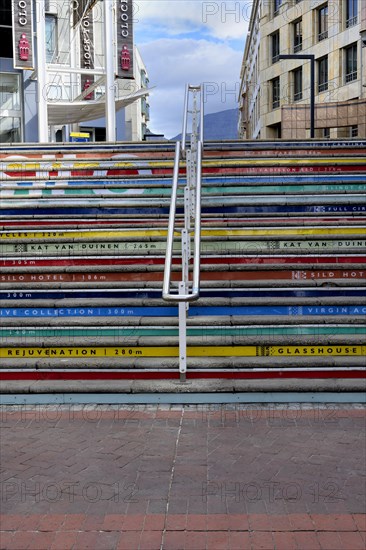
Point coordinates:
pixel 197 331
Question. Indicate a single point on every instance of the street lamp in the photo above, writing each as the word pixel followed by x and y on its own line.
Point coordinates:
pixel 311 58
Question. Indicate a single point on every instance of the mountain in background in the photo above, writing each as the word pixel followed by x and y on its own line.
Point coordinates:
pixel 221 125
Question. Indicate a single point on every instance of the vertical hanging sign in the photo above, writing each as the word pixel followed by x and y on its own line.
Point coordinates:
pixel 81 8
pixel 124 39
pixel 22 13
pixel 87 51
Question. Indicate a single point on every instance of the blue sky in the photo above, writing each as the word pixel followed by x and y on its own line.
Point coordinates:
pixel 190 41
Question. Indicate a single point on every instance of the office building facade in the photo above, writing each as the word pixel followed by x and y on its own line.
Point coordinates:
pixel 275 93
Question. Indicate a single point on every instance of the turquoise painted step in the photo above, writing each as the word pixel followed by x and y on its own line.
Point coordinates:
pixel 193 331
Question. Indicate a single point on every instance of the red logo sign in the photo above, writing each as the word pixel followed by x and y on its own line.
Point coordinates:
pixel 23 48
pixel 125 59
pixel 86 86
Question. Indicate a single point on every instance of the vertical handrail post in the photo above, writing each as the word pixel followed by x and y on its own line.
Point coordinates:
pixel 192 213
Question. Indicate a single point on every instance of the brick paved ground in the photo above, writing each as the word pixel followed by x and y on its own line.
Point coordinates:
pixel 196 478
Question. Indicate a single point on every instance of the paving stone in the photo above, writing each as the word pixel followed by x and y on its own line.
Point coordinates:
pixel 301 522
pixel 150 540
pixel 154 522
pixel 134 523
pixel 51 522
pixel 6 538
pixel 64 540
pixel 360 521
pixel 41 540
pixel 129 540
pixel 261 541
pixel 174 540
pixel 222 480
pixel 239 541
pixel 195 540
pixel 176 522
pixel 283 541
pixel 20 540
pixel 352 540
pixel 9 522
pixel 329 540
pixel 198 522
pixel 87 540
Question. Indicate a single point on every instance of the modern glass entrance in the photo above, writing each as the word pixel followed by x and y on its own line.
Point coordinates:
pixel 11 127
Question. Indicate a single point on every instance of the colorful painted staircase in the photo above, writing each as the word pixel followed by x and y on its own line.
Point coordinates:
pixel 83 239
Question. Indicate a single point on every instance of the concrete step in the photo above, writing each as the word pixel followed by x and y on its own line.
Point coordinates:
pixel 208 363
pixel 84 241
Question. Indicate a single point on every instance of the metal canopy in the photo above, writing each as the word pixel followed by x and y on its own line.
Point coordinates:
pixel 66 112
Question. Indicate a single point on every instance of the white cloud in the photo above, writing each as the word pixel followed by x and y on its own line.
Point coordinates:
pixel 172 63
pixel 190 41
pixel 218 19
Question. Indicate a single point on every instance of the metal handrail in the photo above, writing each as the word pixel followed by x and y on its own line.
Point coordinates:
pixel 194 295
pixel 185 114
pixel 180 150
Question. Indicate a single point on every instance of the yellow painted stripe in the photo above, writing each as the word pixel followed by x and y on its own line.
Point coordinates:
pixel 276 161
pixel 294 231
pixel 100 234
pixel 194 351
pixel 24 165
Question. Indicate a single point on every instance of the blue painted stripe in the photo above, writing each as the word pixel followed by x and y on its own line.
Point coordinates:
pixel 156 294
pixel 116 311
pixel 271 209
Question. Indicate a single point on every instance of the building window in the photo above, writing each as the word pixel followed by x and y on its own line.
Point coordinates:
pixel 276 6
pixel 353 131
pixel 297 76
pixel 275 46
pixel 275 92
pixel 10 108
pixel 351 13
pixel 323 22
pixel 51 38
pixel 326 133
pixel 351 63
pixel 143 105
pixel 143 78
pixel 323 74
pixel 297 35
pixel 6 42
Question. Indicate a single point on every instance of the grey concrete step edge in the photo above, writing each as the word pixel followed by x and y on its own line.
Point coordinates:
pixel 200 340
pixel 161 221
pixel 173 321
pixel 141 268
pixel 207 363
pixel 213 302
pixel 216 385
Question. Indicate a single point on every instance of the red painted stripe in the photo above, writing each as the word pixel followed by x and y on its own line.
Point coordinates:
pixel 90 278
pixel 255 260
pixel 156 375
